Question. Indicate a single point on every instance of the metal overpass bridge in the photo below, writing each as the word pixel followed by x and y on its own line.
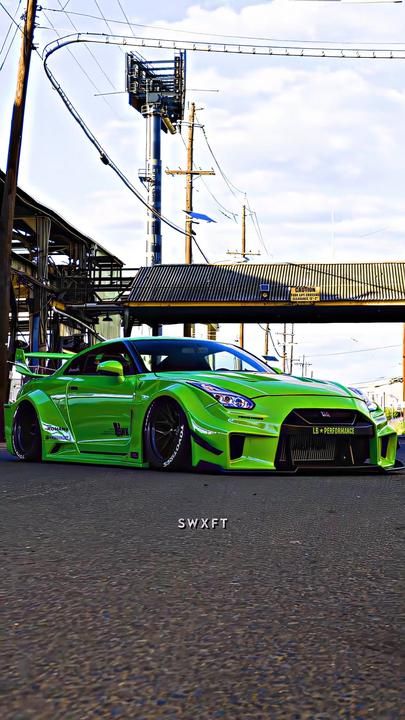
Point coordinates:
pixel 279 292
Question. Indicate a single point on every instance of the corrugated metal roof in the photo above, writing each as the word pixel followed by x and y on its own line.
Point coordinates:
pixel 374 282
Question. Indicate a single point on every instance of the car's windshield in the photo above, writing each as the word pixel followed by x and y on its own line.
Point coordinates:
pixel 166 355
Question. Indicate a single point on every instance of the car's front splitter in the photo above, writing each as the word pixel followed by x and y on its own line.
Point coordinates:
pixel 207 467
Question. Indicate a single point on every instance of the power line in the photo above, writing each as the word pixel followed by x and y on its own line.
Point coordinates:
pixel 232 189
pixel 107 22
pixel 267 330
pixel 10 26
pixel 89 50
pixel 199 248
pixel 8 49
pixel 256 225
pixel 125 16
pixel 13 20
pixel 96 37
pixel 305 266
pixel 230 212
pixel 225 178
pixel 221 35
pixel 84 71
pixel 350 352
pixel 105 158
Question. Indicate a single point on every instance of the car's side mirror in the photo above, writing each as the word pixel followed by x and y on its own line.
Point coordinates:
pixel 112 367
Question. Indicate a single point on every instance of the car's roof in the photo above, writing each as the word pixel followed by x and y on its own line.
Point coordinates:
pixel 153 338
pixel 166 337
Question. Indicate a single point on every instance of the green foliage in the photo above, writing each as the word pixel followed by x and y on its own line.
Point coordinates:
pixel 392 413
pixel 400 427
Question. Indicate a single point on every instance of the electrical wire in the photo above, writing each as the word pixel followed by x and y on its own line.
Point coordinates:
pixel 219 35
pixel 201 179
pixel 8 49
pixel 9 29
pixel 78 63
pixel 255 221
pixel 105 158
pixel 199 248
pixel 225 178
pixel 107 22
pixel 306 266
pixel 351 352
pixel 89 50
pixel 267 330
pixel 125 16
pixel 232 189
pixel 103 155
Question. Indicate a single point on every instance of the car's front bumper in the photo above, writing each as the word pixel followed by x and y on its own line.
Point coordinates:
pixel 252 441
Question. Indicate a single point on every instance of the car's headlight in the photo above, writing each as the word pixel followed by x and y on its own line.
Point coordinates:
pixel 371 405
pixel 225 397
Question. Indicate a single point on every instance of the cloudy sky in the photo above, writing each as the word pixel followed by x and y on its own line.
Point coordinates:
pixel 316 145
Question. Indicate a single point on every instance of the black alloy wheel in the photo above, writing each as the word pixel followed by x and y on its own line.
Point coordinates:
pixel 167 436
pixel 26 434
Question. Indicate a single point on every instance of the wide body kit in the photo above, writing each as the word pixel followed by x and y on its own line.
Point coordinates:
pixel 291 423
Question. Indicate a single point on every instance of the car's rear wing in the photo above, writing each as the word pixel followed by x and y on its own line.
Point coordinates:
pixel 21 365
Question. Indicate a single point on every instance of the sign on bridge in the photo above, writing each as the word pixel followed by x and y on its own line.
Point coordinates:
pixel 303 294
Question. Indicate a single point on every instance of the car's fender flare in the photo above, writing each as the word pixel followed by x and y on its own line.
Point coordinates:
pixel 187 399
pixel 45 408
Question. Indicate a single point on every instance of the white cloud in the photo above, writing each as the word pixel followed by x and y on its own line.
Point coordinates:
pixel 304 138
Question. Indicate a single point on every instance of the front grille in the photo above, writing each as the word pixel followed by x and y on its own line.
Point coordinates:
pixel 324 438
pixel 304 449
pixel 323 417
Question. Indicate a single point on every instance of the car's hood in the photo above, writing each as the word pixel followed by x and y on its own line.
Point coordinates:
pixel 260 384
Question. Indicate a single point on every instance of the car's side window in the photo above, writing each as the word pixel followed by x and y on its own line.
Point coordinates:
pixel 88 363
pixel 76 366
pixel 224 361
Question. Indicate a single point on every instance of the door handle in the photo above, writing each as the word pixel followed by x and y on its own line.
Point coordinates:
pixel 74 387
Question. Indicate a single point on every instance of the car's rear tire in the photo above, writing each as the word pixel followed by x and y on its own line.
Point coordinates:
pixel 26 434
pixel 167 436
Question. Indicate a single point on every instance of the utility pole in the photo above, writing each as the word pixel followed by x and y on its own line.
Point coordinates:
pixel 266 339
pixel 245 255
pixel 189 173
pixel 188 251
pixel 292 349
pixel 284 347
pixel 285 334
pixel 304 366
pixel 9 196
pixel 403 370
pixel 241 325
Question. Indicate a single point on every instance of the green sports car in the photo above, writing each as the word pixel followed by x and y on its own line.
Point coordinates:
pixel 180 403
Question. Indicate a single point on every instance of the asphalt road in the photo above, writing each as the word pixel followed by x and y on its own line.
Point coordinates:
pixel 110 610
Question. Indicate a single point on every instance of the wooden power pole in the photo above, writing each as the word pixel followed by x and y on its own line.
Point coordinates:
pixel 244 254
pixel 189 173
pixel 243 249
pixel 9 196
pixel 285 347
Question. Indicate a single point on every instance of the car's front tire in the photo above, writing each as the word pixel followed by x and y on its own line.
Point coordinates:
pixel 167 436
pixel 26 434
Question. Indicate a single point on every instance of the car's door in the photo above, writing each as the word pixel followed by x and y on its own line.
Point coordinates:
pixel 100 406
